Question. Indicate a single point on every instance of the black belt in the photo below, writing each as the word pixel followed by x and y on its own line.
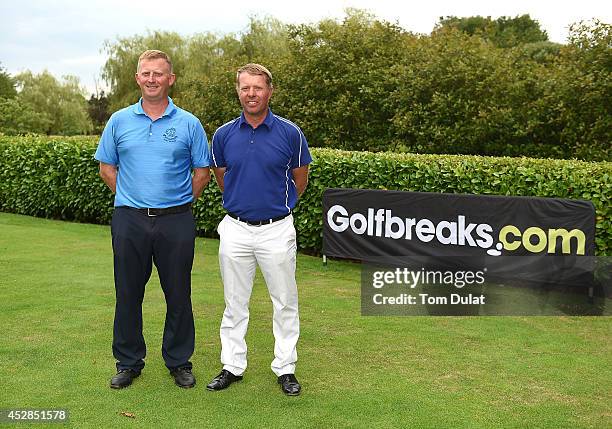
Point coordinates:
pixel 160 212
pixel 258 222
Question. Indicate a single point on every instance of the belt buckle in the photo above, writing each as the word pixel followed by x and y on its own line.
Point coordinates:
pixel 149 213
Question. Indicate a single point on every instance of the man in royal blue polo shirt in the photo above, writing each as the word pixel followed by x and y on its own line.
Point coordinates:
pixel 147 153
pixel 260 161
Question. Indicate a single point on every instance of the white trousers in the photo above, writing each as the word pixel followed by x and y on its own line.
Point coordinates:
pixel 273 247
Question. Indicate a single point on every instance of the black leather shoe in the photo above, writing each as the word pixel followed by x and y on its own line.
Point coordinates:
pixel 223 380
pixel 289 384
pixel 183 377
pixel 123 378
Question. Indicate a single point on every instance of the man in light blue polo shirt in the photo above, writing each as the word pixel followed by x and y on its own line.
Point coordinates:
pixel 147 153
pixel 260 161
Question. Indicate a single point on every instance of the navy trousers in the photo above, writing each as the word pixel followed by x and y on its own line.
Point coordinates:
pixel 168 242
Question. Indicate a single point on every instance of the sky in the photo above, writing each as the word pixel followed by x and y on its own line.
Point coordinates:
pixel 67 36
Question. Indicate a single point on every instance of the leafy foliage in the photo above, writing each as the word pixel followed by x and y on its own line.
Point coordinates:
pixel 97 109
pixel 54 177
pixel 337 81
pixel 584 90
pixel 17 117
pixel 60 106
pixel 58 178
pixel 474 86
pixel 7 85
pixel 503 32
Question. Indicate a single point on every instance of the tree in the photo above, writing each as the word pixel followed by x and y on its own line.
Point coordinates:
pixel 517 31
pixel 266 41
pixel 19 118
pixel 583 89
pixel 336 84
pixel 7 85
pixel 475 85
pixel 504 32
pixel 457 93
pixel 60 105
pixel 97 108
pixel 542 52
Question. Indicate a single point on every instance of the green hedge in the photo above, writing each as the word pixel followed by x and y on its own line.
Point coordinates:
pixel 58 178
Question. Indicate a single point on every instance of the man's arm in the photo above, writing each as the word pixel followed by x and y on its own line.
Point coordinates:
pixel 108 173
pixel 219 173
pixel 199 180
pixel 300 178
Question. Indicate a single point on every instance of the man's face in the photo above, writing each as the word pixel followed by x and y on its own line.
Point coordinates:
pixel 254 94
pixel 154 79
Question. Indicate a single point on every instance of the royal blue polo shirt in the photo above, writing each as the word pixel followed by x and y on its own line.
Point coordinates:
pixel 258 181
pixel 154 158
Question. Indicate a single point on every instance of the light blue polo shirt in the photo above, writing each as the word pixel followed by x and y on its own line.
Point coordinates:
pixel 258 182
pixel 154 158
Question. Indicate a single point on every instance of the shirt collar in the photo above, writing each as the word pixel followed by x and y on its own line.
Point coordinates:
pixel 268 122
pixel 170 108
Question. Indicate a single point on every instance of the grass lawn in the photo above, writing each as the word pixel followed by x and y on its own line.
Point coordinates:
pixel 57 305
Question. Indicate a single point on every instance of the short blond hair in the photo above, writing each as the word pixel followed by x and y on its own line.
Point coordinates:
pixel 153 54
pixel 257 70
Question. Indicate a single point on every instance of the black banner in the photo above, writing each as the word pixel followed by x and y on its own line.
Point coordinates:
pixel 526 238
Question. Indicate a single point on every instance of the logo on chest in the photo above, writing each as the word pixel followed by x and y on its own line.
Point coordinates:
pixel 170 135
